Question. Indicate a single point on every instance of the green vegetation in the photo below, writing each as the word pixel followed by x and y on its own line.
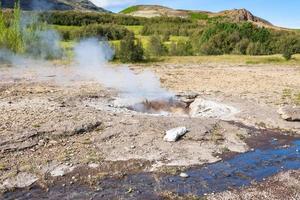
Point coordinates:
pixel 130 10
pixel 113 32
pixel 135 29
pixel 30 37
pixel 130 51
pixel 156 48
pixel 148 38
pixel 10 31
pixel 198 16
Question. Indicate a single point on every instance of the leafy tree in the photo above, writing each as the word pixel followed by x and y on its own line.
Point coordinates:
pixel 241 47
pixel 287 53
pixel 156 47
pixel 130 51
pixel 181 48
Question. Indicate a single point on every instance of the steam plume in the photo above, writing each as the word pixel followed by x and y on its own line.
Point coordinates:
pixel 92 56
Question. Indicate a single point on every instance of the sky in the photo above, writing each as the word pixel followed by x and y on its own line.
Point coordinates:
pixel 284 13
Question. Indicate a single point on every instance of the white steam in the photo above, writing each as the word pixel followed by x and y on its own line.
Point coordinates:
pixel 92 56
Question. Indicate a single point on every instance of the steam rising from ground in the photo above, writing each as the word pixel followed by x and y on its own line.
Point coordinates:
pixel 90 62
pixel 92 56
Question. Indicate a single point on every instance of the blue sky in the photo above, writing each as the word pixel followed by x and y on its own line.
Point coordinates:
pixel 285 13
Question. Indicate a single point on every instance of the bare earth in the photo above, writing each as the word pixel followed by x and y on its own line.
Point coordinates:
pixel 51 127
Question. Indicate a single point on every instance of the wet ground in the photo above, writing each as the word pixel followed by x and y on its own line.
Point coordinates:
pixel 240 170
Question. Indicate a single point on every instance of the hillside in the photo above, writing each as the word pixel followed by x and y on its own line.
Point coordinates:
pixel 236 15
pixel 82 5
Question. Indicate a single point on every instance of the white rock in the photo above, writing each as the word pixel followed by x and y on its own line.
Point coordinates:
pixel 93 165
pixel 211 109
pixel 174 134
pixel 61 170
pixel 22 180
pixel 184 175
pixel 290 113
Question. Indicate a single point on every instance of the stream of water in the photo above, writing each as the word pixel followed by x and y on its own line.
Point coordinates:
pixel 241 170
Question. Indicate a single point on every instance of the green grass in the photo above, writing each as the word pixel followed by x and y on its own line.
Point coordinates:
pixel 135 29
pixel 144 40
pixel 239 59
pixel 64 28
pixel 130 9
pixel 178 38
pixel 198 16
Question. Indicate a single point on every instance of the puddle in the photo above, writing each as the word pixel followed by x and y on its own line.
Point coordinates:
pixel 241 170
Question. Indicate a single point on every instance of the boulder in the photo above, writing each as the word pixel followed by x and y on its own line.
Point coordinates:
pixel 290 113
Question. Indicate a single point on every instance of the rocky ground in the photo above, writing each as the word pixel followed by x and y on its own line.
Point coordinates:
pixel 49 128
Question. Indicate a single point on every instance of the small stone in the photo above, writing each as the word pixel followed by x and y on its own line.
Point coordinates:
pixel 184 175
pixel 93 165
pixel 174 134
pixel 132 147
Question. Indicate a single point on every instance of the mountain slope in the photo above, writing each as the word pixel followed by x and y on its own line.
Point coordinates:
pixel 236 15
pixel 82 5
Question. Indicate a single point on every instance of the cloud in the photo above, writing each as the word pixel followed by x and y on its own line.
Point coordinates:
pixel 112 3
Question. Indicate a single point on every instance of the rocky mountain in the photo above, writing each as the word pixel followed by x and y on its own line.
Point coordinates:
pixel 82 5
pixel 236 15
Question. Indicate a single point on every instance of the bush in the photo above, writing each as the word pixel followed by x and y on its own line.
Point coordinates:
pixel 156 47
pixel 31 38
pixel 11 32
pixel 77 18
pixel 287 54
pixel 253 48
pixel 181 48
pixel 241 47
pixel 130 51
pixel 109 32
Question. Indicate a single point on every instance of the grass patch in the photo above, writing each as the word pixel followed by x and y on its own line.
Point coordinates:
pixel 144 40
pixel 238 59
pixel 130 10
pixel 198 16
pixel 178 38
pixel 135 29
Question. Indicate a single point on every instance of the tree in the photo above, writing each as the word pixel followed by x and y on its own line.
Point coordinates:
pixel 155 47
pixel 287 53
pixel 241 47
pixel 130 51
pixel 181 48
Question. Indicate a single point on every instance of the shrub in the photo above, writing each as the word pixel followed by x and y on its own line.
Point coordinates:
pixel 156 47
pixel 181 48
pixel 287 53
pixel 10 31
pixel 241 47
pixel 130 51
